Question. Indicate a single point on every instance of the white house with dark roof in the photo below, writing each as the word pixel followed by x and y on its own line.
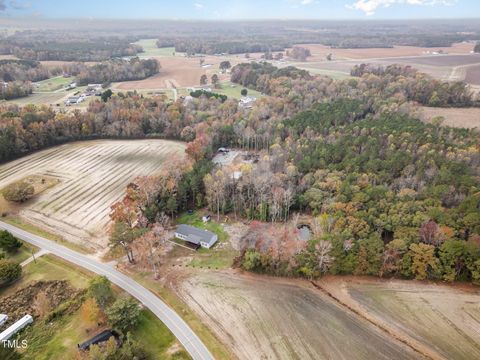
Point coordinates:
pixel 196 236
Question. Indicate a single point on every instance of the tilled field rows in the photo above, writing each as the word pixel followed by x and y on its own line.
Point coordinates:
pixel 93 175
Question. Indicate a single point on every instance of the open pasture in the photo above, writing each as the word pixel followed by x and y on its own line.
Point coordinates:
pixel 441 60
pixel 47 98
pixel 443 67
pixel 319 52
pixel 454 117
pixel 92 176
pixel 150 49
pixel 52 84
pixel 180 71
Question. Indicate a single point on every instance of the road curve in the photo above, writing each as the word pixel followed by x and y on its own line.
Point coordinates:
pixel 192 344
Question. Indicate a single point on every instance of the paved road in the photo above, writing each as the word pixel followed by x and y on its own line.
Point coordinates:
pixel 177 326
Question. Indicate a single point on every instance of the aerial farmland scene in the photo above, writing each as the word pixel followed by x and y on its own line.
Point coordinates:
pixel 278 179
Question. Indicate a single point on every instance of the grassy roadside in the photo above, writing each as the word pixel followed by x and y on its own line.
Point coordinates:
pixel 156 339
pixel 57 339
pixel 23 253
pixel 16 221
pixel 218 350
pixel 49 267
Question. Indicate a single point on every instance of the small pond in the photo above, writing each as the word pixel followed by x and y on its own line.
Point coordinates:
pixel 304 232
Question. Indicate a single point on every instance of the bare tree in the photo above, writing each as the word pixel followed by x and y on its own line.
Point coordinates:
pixel 323 255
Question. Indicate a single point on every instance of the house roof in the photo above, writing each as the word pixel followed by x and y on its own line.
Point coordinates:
pixel 195 235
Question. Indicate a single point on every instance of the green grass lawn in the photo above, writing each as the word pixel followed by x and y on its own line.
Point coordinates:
pixel 334 74
pixel 234 91
pixel 52 84
pixel 150 49
pixel 156 339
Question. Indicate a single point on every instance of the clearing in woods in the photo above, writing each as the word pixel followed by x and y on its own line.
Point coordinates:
pixel 92 176
pixel 454 117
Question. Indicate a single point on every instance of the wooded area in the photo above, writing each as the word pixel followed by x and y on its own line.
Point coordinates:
pixel 391 196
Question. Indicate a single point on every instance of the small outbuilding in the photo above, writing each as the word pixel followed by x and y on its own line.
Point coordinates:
pixel 196 236
pixel 98 339
pixel 13 329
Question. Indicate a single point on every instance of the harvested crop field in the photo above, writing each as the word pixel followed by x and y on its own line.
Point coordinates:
pixel 92 176
pixel 178 71
pixel 472 75
pixel 319 52
pixel 455 117
pixel 444 67
pixel 441 60
pixel 267 318
pixel 444 318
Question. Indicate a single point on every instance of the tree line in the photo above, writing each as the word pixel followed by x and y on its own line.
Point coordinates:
pixel 416 86
pixel 118 70
pixel 17 75
pixel 76 46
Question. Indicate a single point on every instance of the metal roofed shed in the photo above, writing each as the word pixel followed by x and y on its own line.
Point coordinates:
pixel 3 319
pixel 13 329
pixel 104 336
pixel 193 235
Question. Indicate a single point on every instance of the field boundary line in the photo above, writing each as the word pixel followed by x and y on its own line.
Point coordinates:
pixel 422 349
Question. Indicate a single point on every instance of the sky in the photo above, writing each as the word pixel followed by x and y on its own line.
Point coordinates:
pixel 241 9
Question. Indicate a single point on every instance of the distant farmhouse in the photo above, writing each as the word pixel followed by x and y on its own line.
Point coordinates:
pixel 196 236
pixel 247 102
pixel 72 100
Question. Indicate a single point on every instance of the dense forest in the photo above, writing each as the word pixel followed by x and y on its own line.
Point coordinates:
pixel 416 86
pixel 76 46
pixel 15 89
pixel 117 70
pixel 388 194
pixel 23 70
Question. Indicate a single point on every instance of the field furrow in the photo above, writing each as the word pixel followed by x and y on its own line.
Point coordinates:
pixel 93 175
